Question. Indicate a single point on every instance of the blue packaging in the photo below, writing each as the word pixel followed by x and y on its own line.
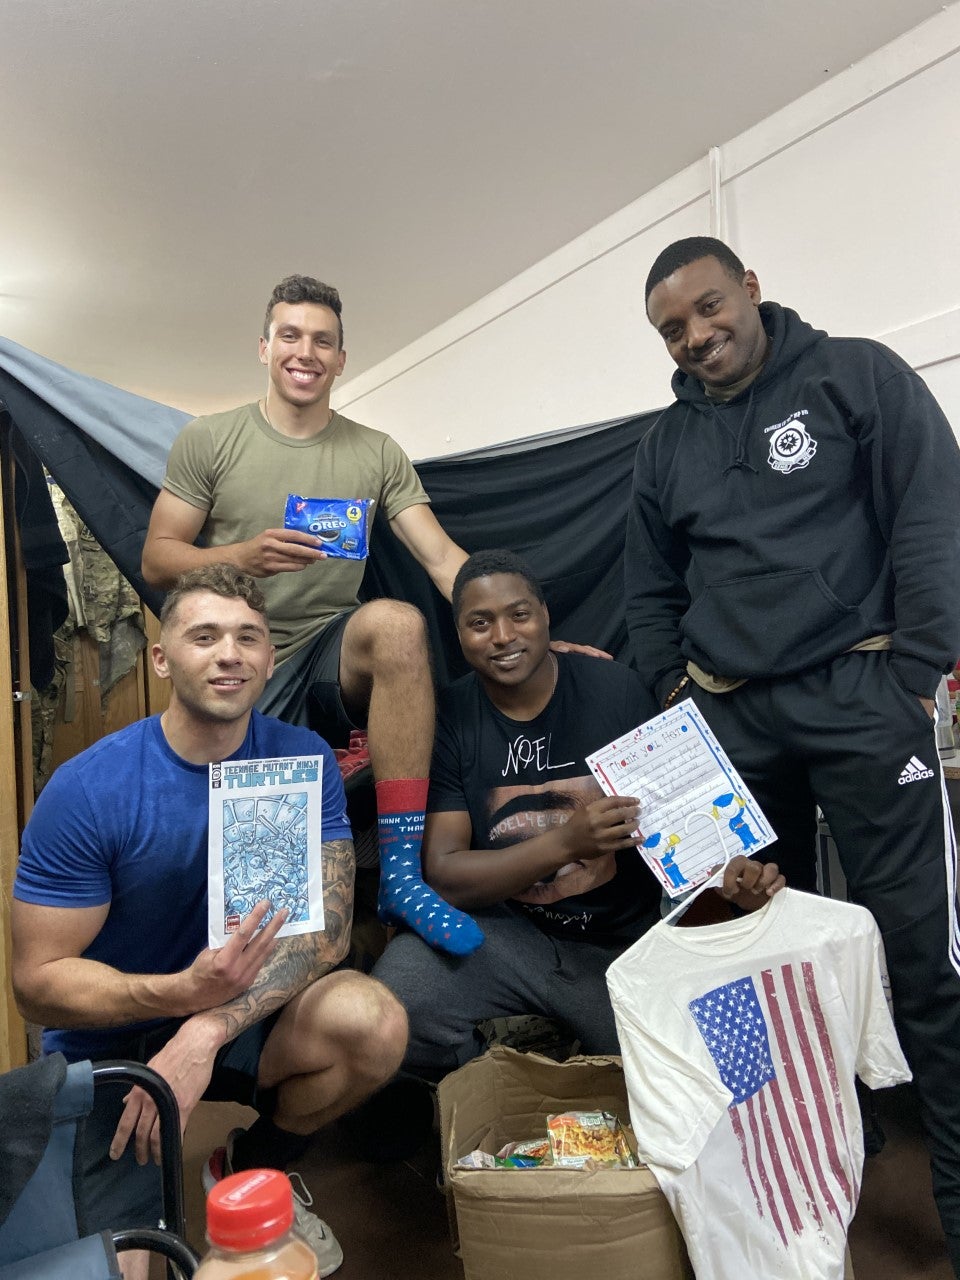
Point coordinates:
pixel 339 523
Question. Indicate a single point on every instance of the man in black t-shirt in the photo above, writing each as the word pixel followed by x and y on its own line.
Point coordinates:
pixel 519 833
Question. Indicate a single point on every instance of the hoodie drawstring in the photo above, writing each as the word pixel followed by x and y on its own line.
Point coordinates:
pixel 739 462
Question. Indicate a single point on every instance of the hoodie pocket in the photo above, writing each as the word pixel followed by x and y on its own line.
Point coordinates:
pixel 768 624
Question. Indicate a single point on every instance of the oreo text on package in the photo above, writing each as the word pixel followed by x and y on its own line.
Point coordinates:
pixel 339 523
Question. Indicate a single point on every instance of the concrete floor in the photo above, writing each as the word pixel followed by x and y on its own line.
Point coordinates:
pixel 392 1223
pixel 391 1220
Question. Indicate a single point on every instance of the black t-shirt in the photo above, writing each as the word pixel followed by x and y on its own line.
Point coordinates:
pixel 518 778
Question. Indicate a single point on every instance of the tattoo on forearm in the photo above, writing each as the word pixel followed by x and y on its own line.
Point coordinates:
pixel 299 960
pixel 339 867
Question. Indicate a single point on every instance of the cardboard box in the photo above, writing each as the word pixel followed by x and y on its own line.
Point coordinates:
pixel 548 1224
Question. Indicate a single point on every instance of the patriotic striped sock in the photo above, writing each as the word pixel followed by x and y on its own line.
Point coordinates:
pixel 404 898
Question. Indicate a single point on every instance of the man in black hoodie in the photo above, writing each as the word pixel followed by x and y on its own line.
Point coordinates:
pixel 793 564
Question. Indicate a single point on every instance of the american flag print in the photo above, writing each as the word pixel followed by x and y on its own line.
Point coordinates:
pixel 770 1043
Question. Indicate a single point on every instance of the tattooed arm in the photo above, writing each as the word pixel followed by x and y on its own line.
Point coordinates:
pixel 57 986
pixel 296 961
pixel 186 1060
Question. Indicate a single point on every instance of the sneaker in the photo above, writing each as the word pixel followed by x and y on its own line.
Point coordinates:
pixel 218 1165
pixel 313 1228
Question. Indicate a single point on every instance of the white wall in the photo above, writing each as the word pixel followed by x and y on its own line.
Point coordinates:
pixel 845 203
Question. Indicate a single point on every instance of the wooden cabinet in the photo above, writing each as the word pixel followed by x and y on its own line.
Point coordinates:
pixel 139 693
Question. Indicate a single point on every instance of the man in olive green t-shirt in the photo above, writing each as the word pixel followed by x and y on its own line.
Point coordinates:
pixel 339 663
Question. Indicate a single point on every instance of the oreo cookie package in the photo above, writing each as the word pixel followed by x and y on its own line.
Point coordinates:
pixel 339 523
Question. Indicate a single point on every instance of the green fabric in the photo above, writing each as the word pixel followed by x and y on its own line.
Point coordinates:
pixel 238 470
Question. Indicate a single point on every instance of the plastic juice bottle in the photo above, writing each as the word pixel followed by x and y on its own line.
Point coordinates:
pixel 250 1231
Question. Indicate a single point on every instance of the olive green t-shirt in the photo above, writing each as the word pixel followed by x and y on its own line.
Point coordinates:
pixel 237 469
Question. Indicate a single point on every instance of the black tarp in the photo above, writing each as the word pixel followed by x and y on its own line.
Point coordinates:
pixel 559 500
pixel 109 496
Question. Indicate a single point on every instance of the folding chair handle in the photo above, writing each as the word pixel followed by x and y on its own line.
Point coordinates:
pixel 168 1244
pixel 171 1147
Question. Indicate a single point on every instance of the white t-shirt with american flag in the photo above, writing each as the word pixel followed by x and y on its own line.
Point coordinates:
pixel 740 1046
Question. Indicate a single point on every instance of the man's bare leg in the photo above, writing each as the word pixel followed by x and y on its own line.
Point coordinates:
pixel 385 675
pixel 134 1264
pixel 333 1046
pixel 385 669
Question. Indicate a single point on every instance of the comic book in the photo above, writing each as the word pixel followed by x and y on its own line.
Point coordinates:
pixel 265 842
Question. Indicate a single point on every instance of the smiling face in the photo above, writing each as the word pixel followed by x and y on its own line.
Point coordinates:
pixel 217 654
pixel 504 629
pixel 303 353
pixel 710 323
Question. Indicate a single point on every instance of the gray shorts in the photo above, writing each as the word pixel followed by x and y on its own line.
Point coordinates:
pixel 120 1193
pixel 305 689
pixel 518 970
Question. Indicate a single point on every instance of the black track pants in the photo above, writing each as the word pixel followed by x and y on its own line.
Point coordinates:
pixel 848 737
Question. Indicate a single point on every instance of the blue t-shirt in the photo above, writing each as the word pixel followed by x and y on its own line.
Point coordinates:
pixel 125 822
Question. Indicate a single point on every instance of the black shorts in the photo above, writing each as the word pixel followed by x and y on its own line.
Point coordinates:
pixel 120 1193
pixel 305 688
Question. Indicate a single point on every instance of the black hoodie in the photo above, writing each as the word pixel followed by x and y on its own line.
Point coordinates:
pixel 818 508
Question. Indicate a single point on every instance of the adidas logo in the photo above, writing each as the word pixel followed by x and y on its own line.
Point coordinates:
pixel 913 771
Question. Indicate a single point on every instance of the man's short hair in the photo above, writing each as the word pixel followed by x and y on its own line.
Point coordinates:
pixel 483 564
pixel 223 580
pixel 294 289
pixel 682 252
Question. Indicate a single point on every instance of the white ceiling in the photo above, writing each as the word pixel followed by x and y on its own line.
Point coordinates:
pixel 164 163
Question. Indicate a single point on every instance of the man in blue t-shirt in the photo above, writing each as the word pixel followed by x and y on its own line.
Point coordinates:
pixel 519 833
pixel 110 924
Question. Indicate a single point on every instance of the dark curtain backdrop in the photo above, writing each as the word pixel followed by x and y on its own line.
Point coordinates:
pixel 558 500
pixel 108 495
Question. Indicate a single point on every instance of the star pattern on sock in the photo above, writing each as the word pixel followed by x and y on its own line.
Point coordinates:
pixel 405 899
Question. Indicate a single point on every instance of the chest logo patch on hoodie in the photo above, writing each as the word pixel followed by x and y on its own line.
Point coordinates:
pixel 791 445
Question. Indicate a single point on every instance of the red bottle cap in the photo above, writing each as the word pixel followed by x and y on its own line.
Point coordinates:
pixel 249 1209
